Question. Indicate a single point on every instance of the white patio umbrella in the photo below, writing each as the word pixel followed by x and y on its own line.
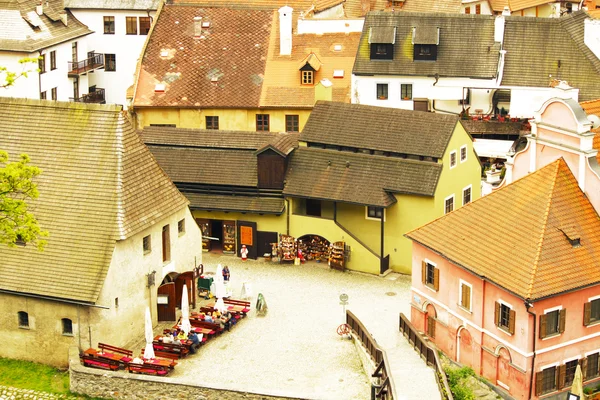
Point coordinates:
pixel 220 294
pixel 219 273
pixel 577 387
pixel 149 350
pixel 185 311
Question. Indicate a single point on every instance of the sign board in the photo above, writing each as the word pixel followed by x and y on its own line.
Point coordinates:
pixel 246 235
pixel 344 297
pixel 162 299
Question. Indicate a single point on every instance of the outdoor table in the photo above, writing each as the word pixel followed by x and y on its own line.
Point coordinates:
pixel 108 356
pixel 159 361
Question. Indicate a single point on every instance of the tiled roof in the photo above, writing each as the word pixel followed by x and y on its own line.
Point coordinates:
pixel 223 67
pixel 492 127
pixel 353 8
pixel 445 6
pixel 591 107
pixel 283 144
pixel 531 257
pixel 455 58
pixel 357 178
pixel 24 30
pixel 206 138
pixel 264 205
pixel 567 59
pixel 380 128
pixel 113 4
pixel 99 184
pixel 516 5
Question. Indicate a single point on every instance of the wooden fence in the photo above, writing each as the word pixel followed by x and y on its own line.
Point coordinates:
pixel 428 353
pixel 386 389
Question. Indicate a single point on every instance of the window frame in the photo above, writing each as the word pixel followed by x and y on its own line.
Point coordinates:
pixel 128 25
pixel 67 332
pixel 509 328
pixel 589 364
pixel 23 320
pixel 52 60
pixel 166 244
pixel 43 95
pixel 147 244
pixel 554 388
pixel 446 204
pixel 477 9
pixel 453 165
pixel 109 21
pixel 214 122
pixel 181 227
pixel 144 31
pixel 462 284
pixel 54 93
pixel 463 147
pixel 569 372
pixel 307 77
pixel 405 88
pixel 382 91
pixel 549 323
pixel 470 189
pixel 430 275
pixel 42 63
pixel 262 122
pixel 110 59
pixel 368 213
pixel 293 121
pixel 544 322
pixel 591 320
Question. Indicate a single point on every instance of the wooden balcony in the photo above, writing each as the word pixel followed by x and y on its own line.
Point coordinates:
pixel 92 97
pixel 83 67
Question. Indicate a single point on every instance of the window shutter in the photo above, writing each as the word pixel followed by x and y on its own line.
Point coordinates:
pixel 511 321
pixel 562 315
pixel 497 314
pixel 432 327
pixel 423 272
pixel 436 279
pixel 583 363
pixel 539 379
pixel 466 297
pixel 542 326
pixel 562 373
pixel 587 313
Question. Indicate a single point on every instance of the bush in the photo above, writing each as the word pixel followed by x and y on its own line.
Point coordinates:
pixel 462 393
pixel 457 379
pixel 588 390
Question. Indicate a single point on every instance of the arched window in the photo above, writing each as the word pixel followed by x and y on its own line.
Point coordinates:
pixel 67 326
pixel 23 319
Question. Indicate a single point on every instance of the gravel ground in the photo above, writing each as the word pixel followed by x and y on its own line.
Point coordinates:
pixel 295 349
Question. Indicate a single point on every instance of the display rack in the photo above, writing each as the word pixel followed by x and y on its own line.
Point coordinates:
pixel 287 248
pixel 205 228
pixel 229 237
pixel 336 256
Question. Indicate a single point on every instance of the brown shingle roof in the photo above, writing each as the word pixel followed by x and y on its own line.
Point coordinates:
pixel 264 205
pixel 445 6
pixel 357 178
pixel 24 30
pixel 567 59
pixel 205 138
pixel 379 128
pixel 515 5
pixel 478 59
pixel 224 67
pixel 532 258
pixel 98 184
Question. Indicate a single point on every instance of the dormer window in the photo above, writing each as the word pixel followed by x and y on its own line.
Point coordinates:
pixel 308 68
pixel 425 41
pixel 307 77
pixel 382 39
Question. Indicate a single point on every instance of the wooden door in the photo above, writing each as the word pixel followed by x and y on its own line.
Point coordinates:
pixel 166 302
pixel 384 264
pixel 247 235
pixel 188 279
pixel 264 241
pixel 204 225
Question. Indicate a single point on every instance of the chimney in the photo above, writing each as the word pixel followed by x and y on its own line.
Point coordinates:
pixel 591 35
pixel 285 31
pixel 197 27
pixel 324 90
pixel 499 28
pixel 39 9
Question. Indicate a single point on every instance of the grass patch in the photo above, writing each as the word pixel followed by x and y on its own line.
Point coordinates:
pixel 457 379
pixel 29 375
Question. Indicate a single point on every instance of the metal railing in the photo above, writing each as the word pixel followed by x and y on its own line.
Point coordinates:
pixel 81 67
pixel 386 388
pixel 93 97
pixel 428 353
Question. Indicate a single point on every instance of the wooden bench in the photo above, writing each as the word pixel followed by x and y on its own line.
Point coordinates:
pixel 148 369
pixel 167 356
pixel 174 348
pixel 237 302
pixel 209 325
pixel 90 360
pixel 126 355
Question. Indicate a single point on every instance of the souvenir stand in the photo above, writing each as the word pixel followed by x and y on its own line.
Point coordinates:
pixel 287 248
pixel 314 247
pixel 336 256
pixel 229 237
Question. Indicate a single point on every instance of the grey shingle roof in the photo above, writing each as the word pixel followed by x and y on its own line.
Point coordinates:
pixel 113 4
pixel 477 57
pixel 99 184
pixel 530 64
pixel 24 30
pixel 357 178
pixel 265 205
pixel 382 34
pixel 379 128
pixel 426 35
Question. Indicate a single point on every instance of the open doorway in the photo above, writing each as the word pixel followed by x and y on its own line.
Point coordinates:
pixel 217 233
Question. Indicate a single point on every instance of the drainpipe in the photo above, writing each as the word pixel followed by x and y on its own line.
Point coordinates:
pixel 287 203
pixel 527 306
pixel 482 334
pixel 382 239
pixel 40 77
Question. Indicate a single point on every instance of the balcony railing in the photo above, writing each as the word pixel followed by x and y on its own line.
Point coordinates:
pixel 92 97
pixel 84 66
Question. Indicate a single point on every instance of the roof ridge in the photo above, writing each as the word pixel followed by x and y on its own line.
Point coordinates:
pixel 544 228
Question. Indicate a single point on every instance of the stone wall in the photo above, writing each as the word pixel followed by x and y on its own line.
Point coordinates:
pixel 123 385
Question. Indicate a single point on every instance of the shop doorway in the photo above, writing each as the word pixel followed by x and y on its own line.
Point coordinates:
pixel 314 247
pixel 217 233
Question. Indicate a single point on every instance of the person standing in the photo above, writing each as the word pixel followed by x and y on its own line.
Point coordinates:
pixel 244 252
pixel 226 274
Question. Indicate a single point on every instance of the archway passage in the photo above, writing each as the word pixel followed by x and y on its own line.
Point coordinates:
pixel 430 316
pixel 314 247
pixel 503 377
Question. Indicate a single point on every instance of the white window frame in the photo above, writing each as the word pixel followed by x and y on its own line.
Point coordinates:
pixel 460 289
pixel 502 328
pixel 463 195
pixel 466 153
pixel 453 203
pixel 371 218
pixel 427 285
pixel 455 158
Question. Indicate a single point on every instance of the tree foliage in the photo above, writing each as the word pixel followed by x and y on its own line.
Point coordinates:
pixel 17 224
pixel 8 78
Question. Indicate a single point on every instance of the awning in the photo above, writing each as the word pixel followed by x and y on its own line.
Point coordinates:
pixel 492 148
pixel 447 93
pixel 426 35
pixel 382 34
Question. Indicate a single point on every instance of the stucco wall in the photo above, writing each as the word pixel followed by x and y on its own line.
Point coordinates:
pixel 265 222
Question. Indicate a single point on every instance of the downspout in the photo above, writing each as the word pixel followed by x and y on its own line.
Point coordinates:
pixel 527 306
pixel 79 327
pixel 382 240
pixel 482 334
pixel 40 77
pixel 287 203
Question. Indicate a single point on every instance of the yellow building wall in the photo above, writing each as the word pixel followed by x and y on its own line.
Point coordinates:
pixel 229 119
pixel 353 218
pixel 265 222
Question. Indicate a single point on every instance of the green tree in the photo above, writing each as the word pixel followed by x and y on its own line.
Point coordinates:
pixel 17 224
pixel 8 78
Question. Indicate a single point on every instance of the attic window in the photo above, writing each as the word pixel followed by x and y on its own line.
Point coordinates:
pixel 206 24
pixel 159 88
pixel 337 47
pixel 164 53
pixel 338 73
pixel 425 41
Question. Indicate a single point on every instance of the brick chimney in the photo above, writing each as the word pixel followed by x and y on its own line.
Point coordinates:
pixel 285 30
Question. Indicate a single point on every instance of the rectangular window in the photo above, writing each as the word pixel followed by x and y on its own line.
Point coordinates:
pixel 131 25
pixel 181 226
pixel 42 63
pixel 43 95
pixel 145 23
pixel 425 52
pixel 382 91
pixel 552 319
pixel 67 327
pixel 466 195
pixel 468 10
pixel 591 312
pixel 54 93
pixel 109 25
pixel 430 275
pixel 406 91
pixel 110 62
pixel 53 60
pixel 453 159
pixel 467 97
pixel 552 323
pixel 23 319
pixel 313 207
pixel 549 380
pixel 292 123
pixel 166 243
pixel 477 8
pixel 382 51
pixel 465 296
pixel 74 56
pixel 307 77
pixel 212 122
pixel 570 368
pixel 375 212
pixel 505 317
pixel 147 244
pixel 76 88
pixel 449 204
pixel 591 370
pixel 463 154
pixel 262 122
